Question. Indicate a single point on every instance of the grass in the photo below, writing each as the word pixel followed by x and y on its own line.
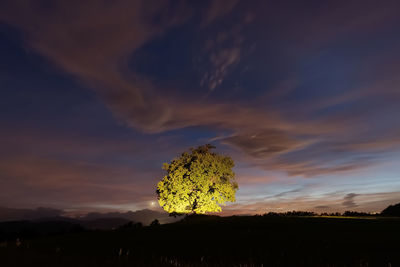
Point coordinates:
pixel 221 241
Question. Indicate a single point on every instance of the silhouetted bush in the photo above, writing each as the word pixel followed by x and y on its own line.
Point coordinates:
pixel 355 213
pixel 300 213
pixel 272 214
pixel 155 223
pixel 290 213
pixel 131 225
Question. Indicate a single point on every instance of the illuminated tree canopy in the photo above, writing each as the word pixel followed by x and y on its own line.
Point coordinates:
pixel 199 181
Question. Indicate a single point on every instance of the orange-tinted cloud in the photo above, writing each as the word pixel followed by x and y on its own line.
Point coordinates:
pixel 54 169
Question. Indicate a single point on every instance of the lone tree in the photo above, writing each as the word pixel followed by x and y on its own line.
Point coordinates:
pixel 199 181
pixel 392 210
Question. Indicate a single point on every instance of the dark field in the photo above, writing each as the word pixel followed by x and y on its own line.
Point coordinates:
pixel 214 241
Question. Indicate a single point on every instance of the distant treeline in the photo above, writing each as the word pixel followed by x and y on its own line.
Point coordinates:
pixel 392 210
pixel 310 213
pixel 32 229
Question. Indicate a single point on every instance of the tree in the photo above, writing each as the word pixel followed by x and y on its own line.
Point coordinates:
pixel 155 223
pixel 199 181
pixel 392 210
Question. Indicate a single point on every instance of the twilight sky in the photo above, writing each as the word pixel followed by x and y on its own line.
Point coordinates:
pixel 303 95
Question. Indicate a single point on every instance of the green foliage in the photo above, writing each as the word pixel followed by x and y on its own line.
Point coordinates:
pixel 198 181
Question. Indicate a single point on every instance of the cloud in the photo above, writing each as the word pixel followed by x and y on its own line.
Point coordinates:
pixel 39 168
pixel 223 47
pixel 305 31
pixel 322 207
pixel 287 192
pixel 218 9
pixel 265 144
pixel 73 183
pixel 349 200
pixel 221 61
pixel 93 41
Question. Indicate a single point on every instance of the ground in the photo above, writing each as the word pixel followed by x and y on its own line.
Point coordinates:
pixel 220 241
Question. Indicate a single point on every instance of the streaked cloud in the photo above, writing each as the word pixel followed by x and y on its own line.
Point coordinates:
pixel 349 200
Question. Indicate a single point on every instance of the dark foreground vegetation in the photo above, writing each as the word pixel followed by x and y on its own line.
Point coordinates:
pixel 218 241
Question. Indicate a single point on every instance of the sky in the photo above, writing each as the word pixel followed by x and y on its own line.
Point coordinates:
pixel 303 95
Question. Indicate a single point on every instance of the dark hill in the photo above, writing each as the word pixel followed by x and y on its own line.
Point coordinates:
pixel 144 216
pixel 93 220
pixel 104 223
pixel 30 229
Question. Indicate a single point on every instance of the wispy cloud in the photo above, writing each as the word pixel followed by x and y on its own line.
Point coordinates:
pixel 349 200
